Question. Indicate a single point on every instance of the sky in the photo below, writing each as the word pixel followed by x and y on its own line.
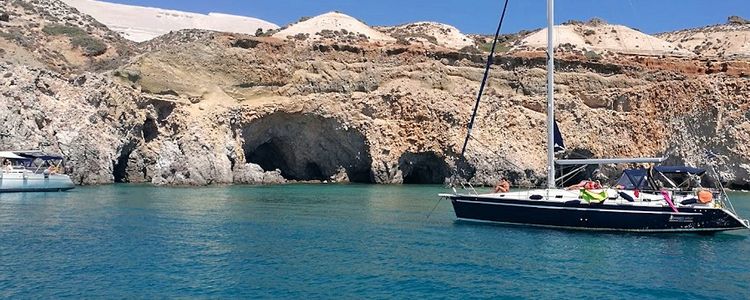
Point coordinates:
pixel 478 16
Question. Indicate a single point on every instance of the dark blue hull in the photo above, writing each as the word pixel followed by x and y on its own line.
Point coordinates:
pixel 576 215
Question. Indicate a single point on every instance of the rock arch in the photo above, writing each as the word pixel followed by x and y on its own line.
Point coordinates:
pixel 423 168
pixel 307 147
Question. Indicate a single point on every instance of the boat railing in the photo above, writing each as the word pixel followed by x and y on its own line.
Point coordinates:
pixel 470 187
pixel 29 171
pixel 723 196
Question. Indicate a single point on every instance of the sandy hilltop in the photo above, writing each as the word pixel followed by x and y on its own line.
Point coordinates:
pixel 330 98
pixel 144 23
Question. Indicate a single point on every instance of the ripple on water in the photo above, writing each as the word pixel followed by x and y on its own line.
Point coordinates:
pixel 327 241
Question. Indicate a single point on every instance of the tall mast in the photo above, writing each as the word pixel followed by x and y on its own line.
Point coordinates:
pixel 550 95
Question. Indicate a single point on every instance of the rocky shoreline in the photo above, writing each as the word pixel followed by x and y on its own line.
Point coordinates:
pixel 202 108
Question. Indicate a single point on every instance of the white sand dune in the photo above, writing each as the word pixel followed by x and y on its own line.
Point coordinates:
pixel 332 21
pixel 140 24
pixel 430 33
pixel 604 37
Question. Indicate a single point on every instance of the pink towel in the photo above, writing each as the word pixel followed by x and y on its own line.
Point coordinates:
pixel 669 200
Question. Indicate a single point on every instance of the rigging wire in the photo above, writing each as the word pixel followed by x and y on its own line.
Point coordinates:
pixel 490 60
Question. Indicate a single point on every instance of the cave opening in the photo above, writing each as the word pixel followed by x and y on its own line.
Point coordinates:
pixel 120 166
pixel 423 168
pixel 266 156
pixel 307 147
pixel 150 130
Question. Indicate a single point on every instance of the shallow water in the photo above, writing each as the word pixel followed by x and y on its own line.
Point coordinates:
pixel 335 241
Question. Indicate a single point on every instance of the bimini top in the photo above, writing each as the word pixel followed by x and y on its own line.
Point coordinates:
pixel 680 170
pixel 38 155
pixel 634 179
pixel 10 155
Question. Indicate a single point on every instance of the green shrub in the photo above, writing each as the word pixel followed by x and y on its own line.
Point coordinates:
pixel 25 5
pixel 500 48
pixel 593 55
pixel 59 29
pixel 91 46
pixel 17 36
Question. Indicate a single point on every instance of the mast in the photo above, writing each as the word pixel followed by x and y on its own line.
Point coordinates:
pixel 550 95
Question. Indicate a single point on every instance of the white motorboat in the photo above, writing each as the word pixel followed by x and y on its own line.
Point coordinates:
pixel 32 171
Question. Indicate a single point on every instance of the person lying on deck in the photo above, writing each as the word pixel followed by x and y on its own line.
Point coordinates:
pixel 502 186
pixel 587 185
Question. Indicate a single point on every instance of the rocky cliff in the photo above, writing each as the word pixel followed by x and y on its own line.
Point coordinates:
pixel 198 107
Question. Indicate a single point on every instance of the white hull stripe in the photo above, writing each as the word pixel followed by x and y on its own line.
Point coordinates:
pixel 585 209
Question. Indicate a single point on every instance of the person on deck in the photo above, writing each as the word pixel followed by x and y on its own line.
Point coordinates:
pixel 7 166
pixel 586 184
pixel 502 186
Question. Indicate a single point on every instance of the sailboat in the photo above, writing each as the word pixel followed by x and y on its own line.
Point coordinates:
pixel 637 205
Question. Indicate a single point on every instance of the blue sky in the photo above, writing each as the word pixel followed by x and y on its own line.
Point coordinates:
pixel 478 16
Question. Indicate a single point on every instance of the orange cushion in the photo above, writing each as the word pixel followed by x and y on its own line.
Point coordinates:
pixel 705 196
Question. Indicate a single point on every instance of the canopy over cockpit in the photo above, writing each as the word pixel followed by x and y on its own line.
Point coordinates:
pixel 10 155
pixel 38 155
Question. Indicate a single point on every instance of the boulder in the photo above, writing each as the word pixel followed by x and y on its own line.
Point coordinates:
pixel 254 174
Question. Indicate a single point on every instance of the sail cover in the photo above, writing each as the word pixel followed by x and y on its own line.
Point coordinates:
pixel 559 144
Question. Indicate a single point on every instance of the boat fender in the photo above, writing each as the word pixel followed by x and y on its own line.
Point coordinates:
pixel 626 196
pixel 536 197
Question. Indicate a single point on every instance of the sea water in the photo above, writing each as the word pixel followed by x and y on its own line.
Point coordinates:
pixel 335 241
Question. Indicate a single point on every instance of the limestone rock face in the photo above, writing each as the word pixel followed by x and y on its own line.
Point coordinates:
pixel 398 115
pixel 88 118
pixel 201 108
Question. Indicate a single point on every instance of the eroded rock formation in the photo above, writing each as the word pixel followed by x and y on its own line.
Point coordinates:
pixel 198 108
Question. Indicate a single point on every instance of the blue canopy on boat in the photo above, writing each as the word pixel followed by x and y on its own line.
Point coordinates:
pixel 680 170
pixel 39 155
pixel 633 179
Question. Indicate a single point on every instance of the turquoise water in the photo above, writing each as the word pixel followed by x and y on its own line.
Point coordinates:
pixel 328 241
